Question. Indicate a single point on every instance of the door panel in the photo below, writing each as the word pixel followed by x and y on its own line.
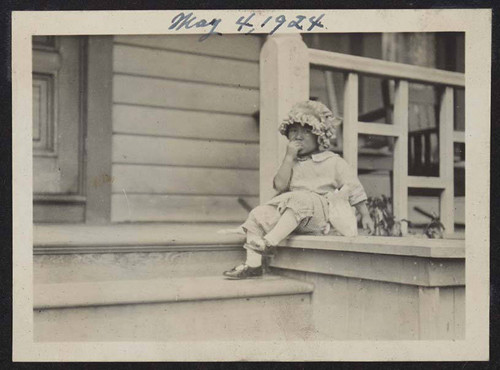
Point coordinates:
pixel 56 117
pixel 57 127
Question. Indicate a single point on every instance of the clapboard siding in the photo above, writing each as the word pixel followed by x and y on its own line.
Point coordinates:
pixel 181 105
pixel 182 180
pixel 139 208
pixel 184 95
pixel 184 123
pixel 185 142
pixel 177 65
pixel 245 47
pixel 184 152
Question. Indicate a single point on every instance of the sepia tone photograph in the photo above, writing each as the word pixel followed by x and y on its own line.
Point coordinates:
pixel 273 187
pixel 152 221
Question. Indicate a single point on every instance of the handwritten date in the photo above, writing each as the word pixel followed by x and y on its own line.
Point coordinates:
pixel 298 23
pixel 247 24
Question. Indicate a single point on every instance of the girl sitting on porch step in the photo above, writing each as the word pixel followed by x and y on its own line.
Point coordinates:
pixel 316 190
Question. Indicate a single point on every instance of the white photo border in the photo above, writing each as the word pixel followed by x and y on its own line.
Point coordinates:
pixel 476 23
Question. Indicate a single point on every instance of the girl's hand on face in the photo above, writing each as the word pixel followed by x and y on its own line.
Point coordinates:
pixel 293 148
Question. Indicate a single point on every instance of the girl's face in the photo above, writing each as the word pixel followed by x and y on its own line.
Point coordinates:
pixel 303 134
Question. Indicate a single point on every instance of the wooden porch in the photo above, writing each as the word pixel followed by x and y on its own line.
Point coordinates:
pixel 145 281
pixel 152 278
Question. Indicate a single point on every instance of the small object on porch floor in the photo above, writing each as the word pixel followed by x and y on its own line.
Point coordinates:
pixel 243 272
pixel 380 209
pixel 435 229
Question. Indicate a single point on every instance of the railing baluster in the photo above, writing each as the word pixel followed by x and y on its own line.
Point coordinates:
pixel 446 206
pixel 350 125
pixel 400 176
pixel 285 62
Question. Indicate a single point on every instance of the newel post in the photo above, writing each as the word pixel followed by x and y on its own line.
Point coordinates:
pixel 284 81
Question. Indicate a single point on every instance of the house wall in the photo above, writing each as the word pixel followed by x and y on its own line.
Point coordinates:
pixel 185 141
pixel 185 134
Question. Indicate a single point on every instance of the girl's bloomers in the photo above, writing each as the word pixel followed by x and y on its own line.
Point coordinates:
pixel 312 180
pixel 312 184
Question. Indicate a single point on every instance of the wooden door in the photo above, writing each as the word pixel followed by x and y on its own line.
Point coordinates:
pixel 57 129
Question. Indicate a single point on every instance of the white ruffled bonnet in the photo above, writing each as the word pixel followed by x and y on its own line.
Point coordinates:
pixel 315 114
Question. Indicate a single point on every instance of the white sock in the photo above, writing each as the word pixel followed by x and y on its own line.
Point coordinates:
pixel 286 224
pixel 254 259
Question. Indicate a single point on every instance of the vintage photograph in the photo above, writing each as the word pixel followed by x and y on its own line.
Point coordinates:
pixel 251 186
pixel 152 221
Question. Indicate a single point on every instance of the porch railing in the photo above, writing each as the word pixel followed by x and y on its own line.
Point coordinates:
pixel 285 65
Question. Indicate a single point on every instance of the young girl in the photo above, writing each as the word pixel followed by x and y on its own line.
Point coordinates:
pixel 307 178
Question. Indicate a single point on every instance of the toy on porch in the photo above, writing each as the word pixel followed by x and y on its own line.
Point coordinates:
pixel 386 224
pixel 380 209
pixel 316 189
pixel 434 229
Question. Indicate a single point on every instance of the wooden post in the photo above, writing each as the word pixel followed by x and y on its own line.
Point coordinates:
pixel 446 204
pixel 99 129
pixel 350 123
pixel 400 168
pixel 284 81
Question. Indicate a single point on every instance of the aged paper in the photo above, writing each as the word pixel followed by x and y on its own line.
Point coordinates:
pixel 477 27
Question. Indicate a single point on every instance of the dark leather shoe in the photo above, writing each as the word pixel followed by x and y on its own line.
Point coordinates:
pixel 243 272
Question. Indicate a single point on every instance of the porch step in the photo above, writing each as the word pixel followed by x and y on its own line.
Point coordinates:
pixel 83 253
pixel 201 308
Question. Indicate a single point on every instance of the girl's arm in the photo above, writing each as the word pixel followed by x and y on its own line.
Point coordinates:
pixel 282 179
pixel 366 220
pixel 357 196
pixel 348 182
